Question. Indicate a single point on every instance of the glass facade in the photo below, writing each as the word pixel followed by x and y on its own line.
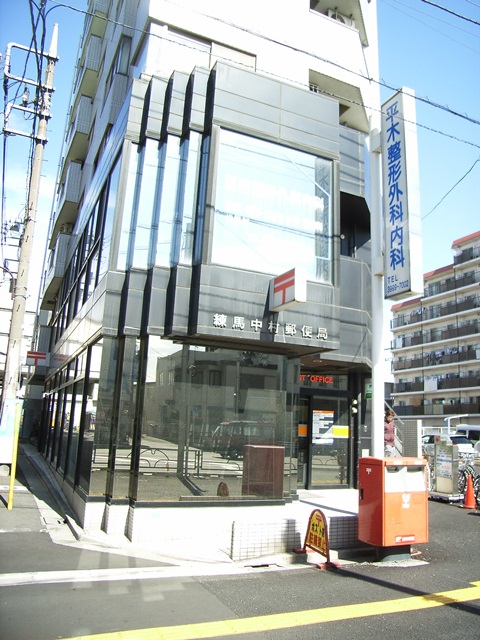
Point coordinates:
pixel 91 258
pixel 156 421
pixel 79 410
pixel 160 201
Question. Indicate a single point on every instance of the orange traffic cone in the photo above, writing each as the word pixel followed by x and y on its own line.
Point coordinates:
pixel 469 501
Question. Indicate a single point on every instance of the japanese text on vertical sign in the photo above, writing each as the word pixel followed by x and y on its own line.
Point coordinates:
pixel 395 194
pixel 401 209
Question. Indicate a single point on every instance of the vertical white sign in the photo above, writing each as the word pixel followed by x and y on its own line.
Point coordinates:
pixel 401 197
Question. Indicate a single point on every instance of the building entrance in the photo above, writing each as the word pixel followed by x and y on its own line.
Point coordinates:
pixel 323 442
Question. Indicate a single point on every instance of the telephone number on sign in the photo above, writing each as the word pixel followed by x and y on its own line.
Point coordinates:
pixel 399 286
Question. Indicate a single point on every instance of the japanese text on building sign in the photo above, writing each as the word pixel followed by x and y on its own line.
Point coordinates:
pixel 401 197
pixel 238 323
pixel 395 195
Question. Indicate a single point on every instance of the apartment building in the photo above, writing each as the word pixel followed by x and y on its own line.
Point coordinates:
pixel 209 280
pixel 436 343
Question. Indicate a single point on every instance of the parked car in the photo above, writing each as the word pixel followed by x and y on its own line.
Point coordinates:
pixel 229 438
pixel 472 432
pixel 465 447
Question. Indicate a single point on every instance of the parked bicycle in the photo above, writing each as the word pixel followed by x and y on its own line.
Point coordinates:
pixel 466 470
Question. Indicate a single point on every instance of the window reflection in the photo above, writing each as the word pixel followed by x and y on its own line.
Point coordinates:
pixel 146 209
pixel 272 202
pixel 208 423
pixel 201 408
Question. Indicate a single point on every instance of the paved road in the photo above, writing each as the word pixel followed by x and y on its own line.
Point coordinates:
pixel 60 589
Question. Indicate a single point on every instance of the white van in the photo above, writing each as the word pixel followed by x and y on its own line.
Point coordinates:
pixel 472 432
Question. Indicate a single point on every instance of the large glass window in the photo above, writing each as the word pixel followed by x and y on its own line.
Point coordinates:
pixel 65 429
pixel 75 429
pixel 187 199
pixel 201 408
pixel 147 204
pixel 273 208
pixel 109 220
pixel 170 181
pixel 78 417
pixel 127 229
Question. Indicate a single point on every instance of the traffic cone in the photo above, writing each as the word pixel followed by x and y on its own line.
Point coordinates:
pixel 469 501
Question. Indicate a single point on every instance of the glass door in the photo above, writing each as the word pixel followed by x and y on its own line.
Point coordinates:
pixel 302 442
pixel 328 441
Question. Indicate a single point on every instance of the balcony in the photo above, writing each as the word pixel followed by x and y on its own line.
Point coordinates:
pixel 57 264
pixel 96 22
pixel 428 337
pixel 439 311
pixel 116 97
pixel 471 253
pixel 68 197
pixel 459 382
pixel 437 409
pixel 441 384
pixel 77 136
pixel 407 387
pixel 348 12
pixel 87 75
pixel 457 307
pixel 451 284
pixel 435 358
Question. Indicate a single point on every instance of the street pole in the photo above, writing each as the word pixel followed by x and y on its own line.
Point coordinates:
pixel 11 380
pixel 378 357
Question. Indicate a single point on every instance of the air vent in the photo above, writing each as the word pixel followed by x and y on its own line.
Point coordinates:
pixel 339 17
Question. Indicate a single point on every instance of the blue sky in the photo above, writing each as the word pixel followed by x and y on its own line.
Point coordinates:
pixel 438 56
pixel 421 47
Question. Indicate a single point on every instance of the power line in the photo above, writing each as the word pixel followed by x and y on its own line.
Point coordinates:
pixel 450 190
pixel 457 15
pixel 428 25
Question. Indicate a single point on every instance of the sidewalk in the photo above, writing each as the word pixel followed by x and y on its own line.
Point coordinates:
pixel 46 523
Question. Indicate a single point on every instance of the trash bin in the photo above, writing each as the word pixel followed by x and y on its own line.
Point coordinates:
pixel 393 501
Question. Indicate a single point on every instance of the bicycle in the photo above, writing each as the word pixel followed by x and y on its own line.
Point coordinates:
pixel 463 473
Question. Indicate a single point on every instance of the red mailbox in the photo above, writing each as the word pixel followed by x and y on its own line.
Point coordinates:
pixel 393 501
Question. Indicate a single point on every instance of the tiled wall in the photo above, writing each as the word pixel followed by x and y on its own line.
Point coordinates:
pixel 254 539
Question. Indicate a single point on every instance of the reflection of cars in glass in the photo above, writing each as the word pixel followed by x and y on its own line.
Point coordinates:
pixel 465 447
pixel 320 448
pixel 229 438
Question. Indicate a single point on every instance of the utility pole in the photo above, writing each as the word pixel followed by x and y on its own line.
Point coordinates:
pixel 11 380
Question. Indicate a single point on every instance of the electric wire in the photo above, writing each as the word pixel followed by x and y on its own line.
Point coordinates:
pixel 457 15
pixel 428 25
pixel 7 87
pixel 452 188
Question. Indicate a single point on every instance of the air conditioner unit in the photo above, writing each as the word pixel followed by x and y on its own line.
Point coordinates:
pixel 350 22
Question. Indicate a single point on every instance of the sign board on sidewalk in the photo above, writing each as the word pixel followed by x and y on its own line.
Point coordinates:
pixel 7 429
pixel 317 537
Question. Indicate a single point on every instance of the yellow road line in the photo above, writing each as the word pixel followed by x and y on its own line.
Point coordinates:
pixel 222 628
